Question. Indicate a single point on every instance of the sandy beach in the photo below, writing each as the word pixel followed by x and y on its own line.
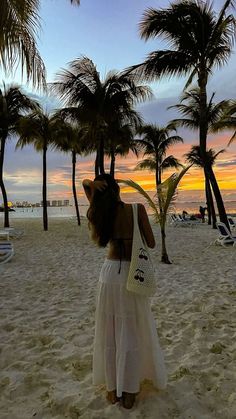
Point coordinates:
pixel 47 302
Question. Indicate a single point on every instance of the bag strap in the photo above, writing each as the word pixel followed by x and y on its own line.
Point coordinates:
pixel 136 229
pixel 135 217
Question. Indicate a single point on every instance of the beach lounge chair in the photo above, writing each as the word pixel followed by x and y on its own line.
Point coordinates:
pixel 178 220
pixel 232 223
pixel 4 235
pixel 11 232
pixel 225 236
pixel 6 252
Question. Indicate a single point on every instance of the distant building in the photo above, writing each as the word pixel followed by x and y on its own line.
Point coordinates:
pixel 48 203
pixel 60 203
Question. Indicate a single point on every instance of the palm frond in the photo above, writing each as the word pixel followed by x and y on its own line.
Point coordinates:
pixel 162 63
pixel 145 164
pixel 139 189
pixel 170 161
pixel 187 123
pixel 232 139
pixel 165 194
pixel 168 188
pixel 19 25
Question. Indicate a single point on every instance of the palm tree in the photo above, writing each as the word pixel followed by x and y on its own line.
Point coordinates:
pixel 19 24
pixel 68 138
pixel 166 193
pixel 199 40
pixel 13 103
pixel 155 142
pixel 191 111
pixel 228 121
pixel 38 129
pixel 120 137
pixel 122 148
pixel 194 156
pixel 99 103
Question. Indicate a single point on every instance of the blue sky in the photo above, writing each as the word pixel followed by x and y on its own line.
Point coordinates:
pixel 107 32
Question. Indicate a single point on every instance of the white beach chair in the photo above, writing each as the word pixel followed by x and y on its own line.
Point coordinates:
pixel 172 219
pixel 12 232
pixel 181 221
pixel 225 236
pixel 4 234
pixel 6 252
pixel 232 223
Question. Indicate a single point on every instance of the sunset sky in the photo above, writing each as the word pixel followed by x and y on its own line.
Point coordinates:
pixel 107 32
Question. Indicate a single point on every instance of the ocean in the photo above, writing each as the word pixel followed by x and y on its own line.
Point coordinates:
pixel 68 212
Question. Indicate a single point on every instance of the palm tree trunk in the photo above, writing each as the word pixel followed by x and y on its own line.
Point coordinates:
pixel 2 186
pixel 45 215
pixel 203 124
pixel 218 197
pixel 203 129
pixel 112 165
pixel 210 203
pixel 74 187
pixel 164 255
pixel 158 182
pixel 209 209
pixel 101 157
pixel 97 164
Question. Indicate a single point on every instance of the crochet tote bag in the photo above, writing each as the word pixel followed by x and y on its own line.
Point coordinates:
pixel 141 277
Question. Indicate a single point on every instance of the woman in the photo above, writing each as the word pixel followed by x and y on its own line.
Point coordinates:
pixel 126 347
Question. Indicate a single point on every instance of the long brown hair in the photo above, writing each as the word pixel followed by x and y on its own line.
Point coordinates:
pixel 102 210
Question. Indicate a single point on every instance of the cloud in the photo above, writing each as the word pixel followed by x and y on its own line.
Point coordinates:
pixel 226 163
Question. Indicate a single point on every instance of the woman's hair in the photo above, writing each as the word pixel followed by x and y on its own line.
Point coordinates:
pixel 102 210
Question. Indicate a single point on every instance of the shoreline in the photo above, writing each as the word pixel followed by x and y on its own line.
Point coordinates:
pixel 82 216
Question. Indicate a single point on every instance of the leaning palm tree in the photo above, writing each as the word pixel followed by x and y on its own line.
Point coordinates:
pixel 99 102
pixel 13 103
pixel 155 142
pixel 166 194
pixel 38 129
pixel 199 40
pixel 69 139
pixel 194 156
pixel 19 25
pixel 190 108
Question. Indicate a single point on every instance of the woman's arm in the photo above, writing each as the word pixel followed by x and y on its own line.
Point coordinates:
pixel 90 186
pixel 87 185
pixel 145 226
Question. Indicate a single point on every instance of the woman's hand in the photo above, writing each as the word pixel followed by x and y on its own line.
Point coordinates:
pixel 90 186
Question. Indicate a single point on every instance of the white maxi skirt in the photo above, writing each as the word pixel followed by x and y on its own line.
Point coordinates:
pixel 126 346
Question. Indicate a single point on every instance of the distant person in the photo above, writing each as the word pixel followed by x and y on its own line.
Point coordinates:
pixel 184 214
pixel 202 211
pixel 126 347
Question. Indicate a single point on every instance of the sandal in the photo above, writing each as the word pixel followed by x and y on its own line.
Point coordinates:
pixel 128 400
pixel 112 397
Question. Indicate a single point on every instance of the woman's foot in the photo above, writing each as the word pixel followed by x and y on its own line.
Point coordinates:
pixel 112 397
pixel 128 400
